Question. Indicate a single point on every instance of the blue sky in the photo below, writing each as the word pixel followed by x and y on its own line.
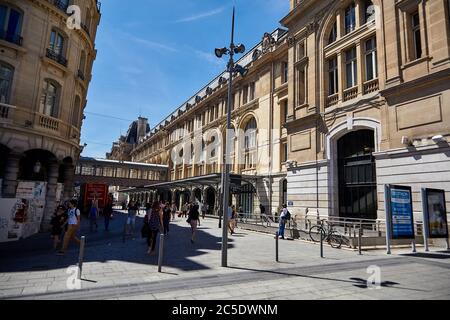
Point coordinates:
pixel 155 54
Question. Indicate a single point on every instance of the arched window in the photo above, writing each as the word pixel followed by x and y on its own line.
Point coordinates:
pixel 6 77
pixel 49 104
pixel 10 24
pixel 250 144
pixel 76 111
pixel 333 33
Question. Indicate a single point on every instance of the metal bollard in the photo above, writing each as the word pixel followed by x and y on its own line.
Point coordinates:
pixel 276 246
pixel 321 244
pixel 359 242
pixel 81 256
pixel 413 245
pixel 161 251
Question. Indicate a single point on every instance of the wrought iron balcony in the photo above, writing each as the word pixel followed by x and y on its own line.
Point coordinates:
pixel 10 37
pixel 51 54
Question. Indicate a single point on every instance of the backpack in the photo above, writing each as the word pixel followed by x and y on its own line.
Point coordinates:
pixel 287 216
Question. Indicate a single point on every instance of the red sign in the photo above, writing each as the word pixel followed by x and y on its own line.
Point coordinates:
pixel 96 191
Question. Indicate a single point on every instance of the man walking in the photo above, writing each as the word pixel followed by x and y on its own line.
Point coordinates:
pixel 73 226
pixel 283 218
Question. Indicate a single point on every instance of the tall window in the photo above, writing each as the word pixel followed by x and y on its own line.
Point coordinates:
pixel 82 62
pixel 371 59
pixel 333 85
pixel 6 77
pixel 56 43
pixel 369 11
pixel 76 111
pixel 301 96
pixel 333 33
pixel 252 91
pixel 284 152
pixel 245 95
pixel 10 24
pixel 285 69
pixel 250 144
pixel 416 35
pixel 284 111
pixel 350 18
pixel 49 99
pixel 350 67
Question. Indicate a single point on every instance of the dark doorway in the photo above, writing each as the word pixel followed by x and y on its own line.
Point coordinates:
pixel 246 198
pixel 357 175
pixel 198 195
pixel 211 200
pixel 4 151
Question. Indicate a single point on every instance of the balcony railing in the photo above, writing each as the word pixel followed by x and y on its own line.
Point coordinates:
pixel 350 93
pixel 10 37
pixel 81 75
pixel 6 111
pixel 51 54
pixel 371 86
pixel 47 122
pixel 333 99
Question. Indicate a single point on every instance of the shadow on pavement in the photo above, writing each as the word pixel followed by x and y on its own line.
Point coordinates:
pixel 36 253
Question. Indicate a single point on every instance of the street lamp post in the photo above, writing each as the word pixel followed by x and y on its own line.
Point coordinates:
pixel 231 68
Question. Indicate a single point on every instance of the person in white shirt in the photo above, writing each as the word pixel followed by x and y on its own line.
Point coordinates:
pixel 74 225
pixel 231 218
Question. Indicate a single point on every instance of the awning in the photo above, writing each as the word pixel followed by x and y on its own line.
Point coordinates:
pixel 211 180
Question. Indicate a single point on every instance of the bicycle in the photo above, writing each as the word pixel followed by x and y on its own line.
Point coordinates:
pixel 332 237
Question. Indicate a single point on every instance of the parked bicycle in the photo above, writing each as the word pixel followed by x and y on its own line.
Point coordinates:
pixel 332 237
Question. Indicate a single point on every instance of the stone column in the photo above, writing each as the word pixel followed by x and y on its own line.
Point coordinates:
pixel 11 175
pixel 50 199
pixel 69 172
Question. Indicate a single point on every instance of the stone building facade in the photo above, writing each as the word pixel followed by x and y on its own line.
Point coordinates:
pixel 369 103
pixel 46 67
pixel 355 95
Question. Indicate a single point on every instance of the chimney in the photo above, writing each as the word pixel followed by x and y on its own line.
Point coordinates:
pixel 142 128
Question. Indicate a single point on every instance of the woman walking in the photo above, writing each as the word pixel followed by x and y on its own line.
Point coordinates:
pixel 174 210
pixel 193 220
pixel 166 218
pixel 155 221
pixel 58 221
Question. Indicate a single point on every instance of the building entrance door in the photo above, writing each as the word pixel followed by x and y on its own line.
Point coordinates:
pixel 357 175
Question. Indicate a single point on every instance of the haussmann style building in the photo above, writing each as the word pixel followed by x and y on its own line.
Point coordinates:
pixel 45 71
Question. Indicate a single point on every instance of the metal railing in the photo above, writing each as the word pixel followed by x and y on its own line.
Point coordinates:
pixel 52 54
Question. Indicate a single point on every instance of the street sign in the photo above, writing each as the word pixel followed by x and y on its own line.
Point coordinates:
pixel 401 212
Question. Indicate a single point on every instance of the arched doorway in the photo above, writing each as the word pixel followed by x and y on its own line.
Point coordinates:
pixel 357 175
pixel 211 200
pixel 35 165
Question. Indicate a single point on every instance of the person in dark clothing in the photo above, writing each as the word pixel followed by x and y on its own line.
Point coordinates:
pixel 107 212
pixel 58 221
pixel 194 217
pixel 166 217
pixel 155 221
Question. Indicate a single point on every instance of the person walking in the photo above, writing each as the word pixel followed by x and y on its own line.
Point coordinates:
pixel 93 214
pixel 283 219
pixel 107 212
pixel 262 209
pixel 58 221
pixel 193 220
pixel 155 221
pixel 231 218
pixel 131 219
pixel 184 210
pixel 166 217
pixel 173 210
pixel 204 210
pixel 74 219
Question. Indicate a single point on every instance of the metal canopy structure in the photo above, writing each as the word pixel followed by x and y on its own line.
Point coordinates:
pixel 211 180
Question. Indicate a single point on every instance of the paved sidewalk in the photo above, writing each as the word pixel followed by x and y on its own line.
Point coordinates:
pixel 116 270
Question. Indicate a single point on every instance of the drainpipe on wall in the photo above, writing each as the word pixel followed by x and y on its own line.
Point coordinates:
pixel 272 85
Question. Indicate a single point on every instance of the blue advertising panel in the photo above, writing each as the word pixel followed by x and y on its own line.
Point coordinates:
pixel 401 212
